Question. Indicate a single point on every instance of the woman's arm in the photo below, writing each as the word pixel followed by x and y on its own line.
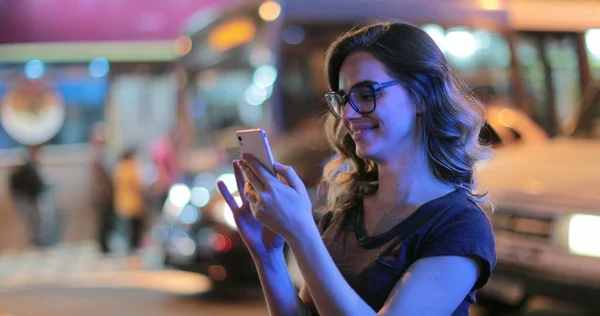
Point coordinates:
pixel 285 208
pixel 330 292
pixel 432 286
pixel 280 293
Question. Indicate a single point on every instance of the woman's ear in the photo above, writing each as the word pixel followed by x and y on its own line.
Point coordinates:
pixel 418 111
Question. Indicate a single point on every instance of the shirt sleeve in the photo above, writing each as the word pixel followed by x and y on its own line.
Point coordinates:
pixel 468 234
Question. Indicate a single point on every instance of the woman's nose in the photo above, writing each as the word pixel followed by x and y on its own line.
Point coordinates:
pixel 348 112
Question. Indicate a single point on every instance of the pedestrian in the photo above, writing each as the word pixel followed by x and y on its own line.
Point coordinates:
pixel 129 198
pixel 402 232
pixel 101 186
pixel 32 197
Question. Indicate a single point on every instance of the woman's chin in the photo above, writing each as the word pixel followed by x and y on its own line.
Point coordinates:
pixel 364 152
pixel 370 152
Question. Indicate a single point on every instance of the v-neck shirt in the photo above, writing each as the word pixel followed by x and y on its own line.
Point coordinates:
pixel 451 225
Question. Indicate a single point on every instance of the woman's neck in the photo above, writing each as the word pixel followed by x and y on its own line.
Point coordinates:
pixel 408 180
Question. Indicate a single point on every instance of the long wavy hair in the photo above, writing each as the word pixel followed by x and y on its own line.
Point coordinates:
pixel 451 116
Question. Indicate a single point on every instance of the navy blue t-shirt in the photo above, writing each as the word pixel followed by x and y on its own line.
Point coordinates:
pixel 451 225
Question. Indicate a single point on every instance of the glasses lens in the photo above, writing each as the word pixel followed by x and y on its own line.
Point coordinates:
pixel 363 99
pixel 335 102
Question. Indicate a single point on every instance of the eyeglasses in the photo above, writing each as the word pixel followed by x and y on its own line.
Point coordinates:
pixel 362 98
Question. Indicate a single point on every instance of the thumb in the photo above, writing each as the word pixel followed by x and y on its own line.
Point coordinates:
pixel 289 175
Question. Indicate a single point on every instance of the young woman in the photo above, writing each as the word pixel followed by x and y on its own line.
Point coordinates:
pixel 402 234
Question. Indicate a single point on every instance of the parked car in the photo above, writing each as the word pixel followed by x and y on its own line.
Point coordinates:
pixel 196 227
pixel 547 214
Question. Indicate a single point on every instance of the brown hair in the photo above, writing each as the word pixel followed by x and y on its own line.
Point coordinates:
pixel 451 116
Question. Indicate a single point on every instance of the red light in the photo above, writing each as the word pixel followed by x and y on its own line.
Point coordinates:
pixel 221 243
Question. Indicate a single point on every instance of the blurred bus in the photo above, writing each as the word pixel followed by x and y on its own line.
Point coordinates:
pixel 261 64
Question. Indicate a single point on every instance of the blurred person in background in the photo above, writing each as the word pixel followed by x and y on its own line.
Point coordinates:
pixel 164 156
pixel 129 197
pixel 32 198
pixel 402 232
pixel 102 185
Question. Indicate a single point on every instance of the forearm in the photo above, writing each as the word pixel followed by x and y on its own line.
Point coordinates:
pixel 280 293
pixel 331 293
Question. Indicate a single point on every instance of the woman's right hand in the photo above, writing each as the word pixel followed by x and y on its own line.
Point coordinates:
pixel 260 240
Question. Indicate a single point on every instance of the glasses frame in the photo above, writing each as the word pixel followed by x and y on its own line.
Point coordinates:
pixel 345 98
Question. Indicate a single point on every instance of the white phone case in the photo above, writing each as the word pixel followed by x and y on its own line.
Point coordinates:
pixel 256 143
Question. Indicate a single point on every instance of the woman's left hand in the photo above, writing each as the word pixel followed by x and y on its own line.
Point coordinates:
pixel 281 205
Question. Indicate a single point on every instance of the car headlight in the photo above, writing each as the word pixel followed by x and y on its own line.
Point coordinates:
pixel 200 196
pixel 170 210
pixel 186 214
pixel 230 181
pixel 189 215
pixel 584 234
pixel 181 244
pixel 223 213
pixel 179 194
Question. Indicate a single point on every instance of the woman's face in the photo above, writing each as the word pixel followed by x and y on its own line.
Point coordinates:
pixel 390 129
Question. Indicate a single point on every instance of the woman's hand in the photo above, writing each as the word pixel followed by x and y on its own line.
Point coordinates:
pixel 260 240
pixel 282 206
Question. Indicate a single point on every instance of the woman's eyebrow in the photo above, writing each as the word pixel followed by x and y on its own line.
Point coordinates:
pixel 360 84
pixel 364 83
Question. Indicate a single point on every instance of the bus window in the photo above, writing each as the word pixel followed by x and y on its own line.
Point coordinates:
pixel 551 78
pixel 592 43
pixel 486 67
pixel 231 75
pixel 303 76
pixel 482 58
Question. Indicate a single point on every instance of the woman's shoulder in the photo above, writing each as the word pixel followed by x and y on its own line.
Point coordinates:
pixel 459 217
pixel 457 214
pixel 460 204
pixel 462 229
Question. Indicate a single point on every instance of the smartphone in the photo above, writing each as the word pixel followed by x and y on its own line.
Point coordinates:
pixel 256 143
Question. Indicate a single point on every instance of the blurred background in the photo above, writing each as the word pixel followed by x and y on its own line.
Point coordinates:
pixel 117 118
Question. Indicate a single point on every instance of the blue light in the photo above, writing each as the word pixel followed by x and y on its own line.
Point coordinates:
pixel 264 76
pixel 34 69
pixel 293 35
pixel 99 67
pixel 188 215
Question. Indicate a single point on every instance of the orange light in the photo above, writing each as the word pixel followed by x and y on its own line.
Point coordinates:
pixel 217 273
pixel 490 4
pixel 269 10
pixel 232 34
pixel 506 117
pixel 182 45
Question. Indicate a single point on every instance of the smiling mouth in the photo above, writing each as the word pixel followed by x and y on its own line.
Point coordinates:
pixel 362 130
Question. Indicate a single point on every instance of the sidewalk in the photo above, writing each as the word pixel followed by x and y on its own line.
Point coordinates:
pixel 81 264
